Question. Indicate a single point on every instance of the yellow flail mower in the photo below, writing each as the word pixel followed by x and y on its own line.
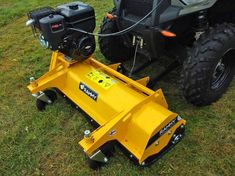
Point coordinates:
pixel 127 112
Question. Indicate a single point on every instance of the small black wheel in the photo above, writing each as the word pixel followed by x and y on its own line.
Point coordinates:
pixel 210 67
pixel 41 105
pixel 108 149
pixel 113 48
pixel 58 91
pixel 94 165
pixel 51 94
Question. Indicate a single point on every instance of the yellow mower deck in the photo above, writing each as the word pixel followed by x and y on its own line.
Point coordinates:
pixel 126 110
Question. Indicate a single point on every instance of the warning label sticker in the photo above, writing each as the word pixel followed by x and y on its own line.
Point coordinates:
pixel 100 78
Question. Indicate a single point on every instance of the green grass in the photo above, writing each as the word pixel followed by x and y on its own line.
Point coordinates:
pixel 33 143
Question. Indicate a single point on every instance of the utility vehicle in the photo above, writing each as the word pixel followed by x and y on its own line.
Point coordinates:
pixel 198 34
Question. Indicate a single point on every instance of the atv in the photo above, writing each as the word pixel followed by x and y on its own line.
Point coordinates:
pixel 199 35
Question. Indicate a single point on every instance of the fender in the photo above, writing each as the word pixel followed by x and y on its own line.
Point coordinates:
pixel 194 7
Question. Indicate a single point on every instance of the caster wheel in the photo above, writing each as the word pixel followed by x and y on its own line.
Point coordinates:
pixel 41 105
pixel 108 149
pixel 94 165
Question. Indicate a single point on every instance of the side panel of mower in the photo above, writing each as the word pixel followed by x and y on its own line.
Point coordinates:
pixel 127 112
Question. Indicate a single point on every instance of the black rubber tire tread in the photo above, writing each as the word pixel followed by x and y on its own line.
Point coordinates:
pixel 51 94
pixel 94 165
pixel 201 63
pixel 41 105
pixel 113 48
pixel 108 149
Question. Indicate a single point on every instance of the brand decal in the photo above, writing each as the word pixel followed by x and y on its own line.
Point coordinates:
pixel 163 131
pixel 167 127
pixel 88 91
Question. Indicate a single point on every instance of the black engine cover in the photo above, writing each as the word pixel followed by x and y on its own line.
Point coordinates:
pixel 58 29
pixel 53 30
pixel 78 15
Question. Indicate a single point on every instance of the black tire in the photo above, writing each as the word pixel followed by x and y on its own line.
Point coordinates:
pixel 113 48
pixel 41 105
pixel 108 149
pixel 210 66
pixel 51 94
pixel 188 38
pixel 94 165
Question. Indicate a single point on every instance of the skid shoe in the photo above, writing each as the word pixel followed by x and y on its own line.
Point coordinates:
pixel 127 112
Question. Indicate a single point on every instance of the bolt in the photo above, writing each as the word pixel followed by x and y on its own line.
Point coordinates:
pixel 169 132
pixel 179 118
pixel 157 143
pixel 31 79
pixel 143 164
pixel 105 159
pixel 182 126
pixel 33 82
pixel 49 101
pixel 87 133
pixel 131 156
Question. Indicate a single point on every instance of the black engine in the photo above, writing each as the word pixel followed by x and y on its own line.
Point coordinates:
pixel 56 29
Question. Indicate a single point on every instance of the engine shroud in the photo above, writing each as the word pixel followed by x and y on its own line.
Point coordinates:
pixel 54 26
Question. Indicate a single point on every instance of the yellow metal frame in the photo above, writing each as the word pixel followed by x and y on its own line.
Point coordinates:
pixel 126 110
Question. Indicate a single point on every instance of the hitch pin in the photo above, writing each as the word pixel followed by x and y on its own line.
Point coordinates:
pixel 32 81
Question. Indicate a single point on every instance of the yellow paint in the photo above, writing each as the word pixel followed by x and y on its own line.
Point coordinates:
pixel 126 111
pixel 144 81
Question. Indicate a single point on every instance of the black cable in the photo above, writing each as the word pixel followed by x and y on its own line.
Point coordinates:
pixel 134 60
pixel 120 32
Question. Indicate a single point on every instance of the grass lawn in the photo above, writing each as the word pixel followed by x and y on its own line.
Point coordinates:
pixel 33 143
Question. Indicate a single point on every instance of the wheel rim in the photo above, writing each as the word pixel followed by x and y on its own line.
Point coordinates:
pixel 222 70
